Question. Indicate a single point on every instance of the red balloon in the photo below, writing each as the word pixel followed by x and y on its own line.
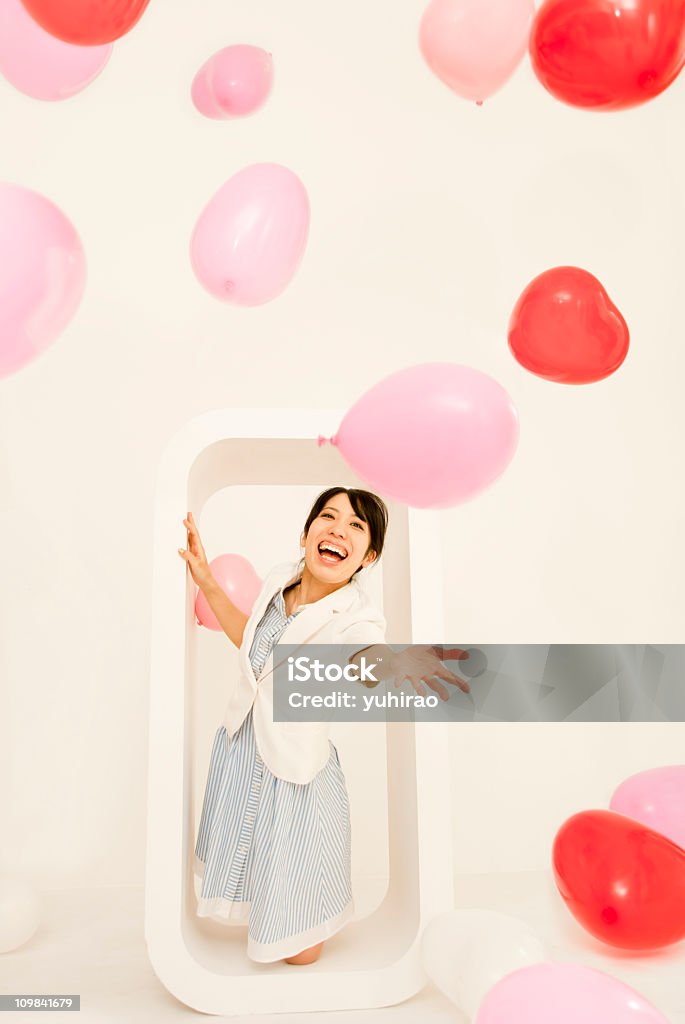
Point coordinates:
pixel 608 54
pixel 565 328
pixel 86 22
pixel 623 882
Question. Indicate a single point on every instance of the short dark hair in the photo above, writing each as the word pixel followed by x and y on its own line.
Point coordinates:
pixel 368 506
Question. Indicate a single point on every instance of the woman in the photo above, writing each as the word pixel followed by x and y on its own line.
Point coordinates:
pixel 274 840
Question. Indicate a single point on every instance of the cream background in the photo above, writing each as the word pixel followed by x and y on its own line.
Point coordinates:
pixel 429 216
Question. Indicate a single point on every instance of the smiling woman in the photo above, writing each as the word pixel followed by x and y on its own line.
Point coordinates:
pixel 274 839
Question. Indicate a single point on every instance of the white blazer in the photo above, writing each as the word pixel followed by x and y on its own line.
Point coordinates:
pixel 296 751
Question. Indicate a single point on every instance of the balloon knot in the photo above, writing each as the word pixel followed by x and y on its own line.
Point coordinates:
pixel 322 440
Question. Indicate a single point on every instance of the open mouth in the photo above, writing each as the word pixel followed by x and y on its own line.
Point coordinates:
pixel 331 553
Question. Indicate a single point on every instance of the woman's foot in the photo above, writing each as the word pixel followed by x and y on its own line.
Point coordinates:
pixel 307 956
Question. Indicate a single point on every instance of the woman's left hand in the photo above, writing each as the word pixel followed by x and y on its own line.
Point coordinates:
pixel 420 664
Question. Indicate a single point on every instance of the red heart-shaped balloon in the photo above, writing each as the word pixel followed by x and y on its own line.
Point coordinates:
pixel 608 54
pixel 623 882
pixel 565 328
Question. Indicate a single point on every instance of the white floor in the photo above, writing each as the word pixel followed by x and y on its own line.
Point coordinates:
pixel 92 943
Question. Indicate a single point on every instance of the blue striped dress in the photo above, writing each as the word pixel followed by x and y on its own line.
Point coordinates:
pixel 273 854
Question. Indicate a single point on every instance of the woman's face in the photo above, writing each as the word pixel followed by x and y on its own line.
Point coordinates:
pixel 337 542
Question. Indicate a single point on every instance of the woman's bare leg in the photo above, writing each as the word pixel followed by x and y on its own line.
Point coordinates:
pixel 307 956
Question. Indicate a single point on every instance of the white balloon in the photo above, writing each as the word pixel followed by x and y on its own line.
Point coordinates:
pixel 20 912
pixel 465 952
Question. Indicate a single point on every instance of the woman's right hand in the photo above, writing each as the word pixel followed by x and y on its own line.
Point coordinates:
pixel 194 555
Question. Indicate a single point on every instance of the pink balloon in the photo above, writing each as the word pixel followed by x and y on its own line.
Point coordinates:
pixel 237 578
pixel 250 238
pixel 655 798
pixel 235 81
pixel 42 275
pixel 432 435
pixel 564 994
pixel 474 46
pixel 40 65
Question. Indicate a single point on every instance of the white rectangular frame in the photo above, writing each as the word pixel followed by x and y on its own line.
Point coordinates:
pixel 376 961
